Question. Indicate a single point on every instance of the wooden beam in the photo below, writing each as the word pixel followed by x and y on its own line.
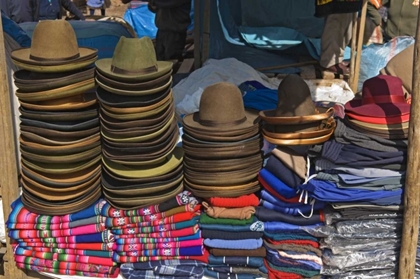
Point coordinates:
pixel 407 261
pixel 355 79
pixel 353 51
pixel 8 162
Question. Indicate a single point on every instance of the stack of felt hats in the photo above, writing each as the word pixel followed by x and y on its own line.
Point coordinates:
pixel 382 110
pixel 59 141
pixel 233 236
pixel 222 145
pixel 71 244
pixel 142 165
pixel 296 120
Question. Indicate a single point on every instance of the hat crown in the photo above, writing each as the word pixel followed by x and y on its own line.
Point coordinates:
pixel 383 89
pixel 221 104
pixel 134 55
pixel 294 98
pixel 54 40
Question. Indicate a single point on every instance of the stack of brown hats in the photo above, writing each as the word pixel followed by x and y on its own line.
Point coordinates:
pixel 60 140
pixel 296 120
pixel 222 145
pixel 142 165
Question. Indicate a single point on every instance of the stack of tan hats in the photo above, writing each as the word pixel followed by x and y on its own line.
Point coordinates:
pixel 142 165
pixel 59 142
pixel 222 145
pixel 296 120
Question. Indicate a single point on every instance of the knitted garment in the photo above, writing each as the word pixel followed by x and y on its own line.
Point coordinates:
pixel 302 242
pixel 206 219
pixel 240 213
pixel 216 234
pixel 161 245
pixel 236 261
pixel 242 201
pixel 294 247
pixel 246 244
pixel 159 228
pixel 138 221
pixel 260 252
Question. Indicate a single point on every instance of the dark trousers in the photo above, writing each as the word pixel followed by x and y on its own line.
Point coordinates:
pixel 170 44
pixel 92 12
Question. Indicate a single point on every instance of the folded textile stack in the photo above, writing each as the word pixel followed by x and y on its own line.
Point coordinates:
pixel 60 144
pixel 233 236
pixel 161 232
pixel 362 175
pixel 142 165
pixel 296 122
pixel 73 244
pixel 222 145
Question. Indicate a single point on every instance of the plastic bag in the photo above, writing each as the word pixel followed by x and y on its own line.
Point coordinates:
pixel 142 20
pixel 375 57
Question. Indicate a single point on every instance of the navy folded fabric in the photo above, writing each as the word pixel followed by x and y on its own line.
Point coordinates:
pixel 279 170
pixel 243 261
pixel 265 214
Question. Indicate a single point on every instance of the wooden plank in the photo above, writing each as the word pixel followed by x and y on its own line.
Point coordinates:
pixel 186 66
pixel 353 51
pixel 8 172
pixel 361 31
pixel 408 250
pixel 197 34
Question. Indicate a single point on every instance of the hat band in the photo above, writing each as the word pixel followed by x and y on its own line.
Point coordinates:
pixel 36 58
pixel 384 100
pixel 120 71
pixel 212 123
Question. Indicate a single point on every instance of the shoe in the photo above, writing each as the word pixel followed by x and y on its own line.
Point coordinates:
pixel 339 68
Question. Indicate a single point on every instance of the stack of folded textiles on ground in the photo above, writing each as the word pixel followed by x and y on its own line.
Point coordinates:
pixel 291 251
pixel 362 175
pixel 151 238
pixel 73 244
pixel 233 236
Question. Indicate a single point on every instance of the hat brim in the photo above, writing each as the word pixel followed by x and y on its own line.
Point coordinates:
pixel 270 117
pixel 104 67
pixel 380 120
pixel 384 127
pixel 23 55
pixel 32 82
pixel 135 92
pixel 192 121
pixel 309 141
pixel 301 135
pixel 172 162
pixel 377 110
pixel 75 102
pixel 55 68
pixel 57 93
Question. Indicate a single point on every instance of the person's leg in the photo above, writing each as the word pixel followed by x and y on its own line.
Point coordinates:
pixel 335 37
pixel 91 12
pixel 102 12
pixel 159 45
pixel 177 41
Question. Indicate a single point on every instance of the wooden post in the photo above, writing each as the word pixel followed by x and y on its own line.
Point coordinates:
pixel 355 79
pixel 8 171
pixel 353 49
pixel 197 34
pixel 412 183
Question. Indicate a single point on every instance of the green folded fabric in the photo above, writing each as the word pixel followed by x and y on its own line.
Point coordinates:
pixel 206 219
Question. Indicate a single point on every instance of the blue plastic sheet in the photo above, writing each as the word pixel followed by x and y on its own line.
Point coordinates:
pixel 142 20
pixel 375 57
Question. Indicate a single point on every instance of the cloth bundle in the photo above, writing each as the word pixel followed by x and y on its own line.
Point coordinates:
pixel 73 244
pixel 167 231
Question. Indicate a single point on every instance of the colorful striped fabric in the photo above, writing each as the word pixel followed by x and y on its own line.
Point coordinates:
pixel 180 217
pixel 93 246
pixel 126 259
pixel 87 229
pixel 183 198
pixel 20 251
pixel 162 245
pixel 60 226
pixel 94 253
pixel 174 233
pixel 145 240
pixel 184 251
pixel 102 237
pixel 160 228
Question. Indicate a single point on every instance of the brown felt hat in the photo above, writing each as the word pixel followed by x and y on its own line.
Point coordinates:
pixel 42 149
pixel 62 158
pixel 54 43
pixel 59 135
pixel 28 139
pixel 220 137
pixel 221 191
pixel 62 168
pixel 216 165
pixel 134 60
pixel 221 109
pixel 59 115
pixel 295 111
